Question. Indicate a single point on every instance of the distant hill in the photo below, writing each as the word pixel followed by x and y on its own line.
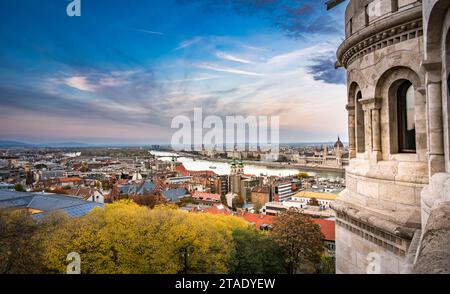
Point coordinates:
pixel 17 144
pixel 65 145
pixel 11 144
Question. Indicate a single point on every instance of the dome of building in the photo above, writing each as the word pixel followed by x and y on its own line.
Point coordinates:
pixel 339 144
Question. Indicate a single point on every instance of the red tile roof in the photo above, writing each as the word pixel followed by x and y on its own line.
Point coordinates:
pixel 206 196
pixel 258 219
pixel 218 209
pixel 69 180
pixel 328 228
pixel 121 182
pixel 181 169
pixel 202 172
pixel 259 189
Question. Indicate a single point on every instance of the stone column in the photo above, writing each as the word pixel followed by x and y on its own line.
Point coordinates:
pixel 368 126
pixel 352 130
pixel 433 79
pixel 371 107
pixel 376 125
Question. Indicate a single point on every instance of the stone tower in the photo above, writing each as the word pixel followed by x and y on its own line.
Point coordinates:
pixel 397 55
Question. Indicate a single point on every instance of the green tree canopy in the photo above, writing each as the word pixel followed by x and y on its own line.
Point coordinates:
pixel 301 241
pixel 256 253
pixel 19 188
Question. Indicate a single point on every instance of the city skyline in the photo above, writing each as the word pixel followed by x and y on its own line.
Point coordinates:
pixel 119 73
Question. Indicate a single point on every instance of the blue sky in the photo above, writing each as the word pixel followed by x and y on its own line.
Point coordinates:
pixel 124 69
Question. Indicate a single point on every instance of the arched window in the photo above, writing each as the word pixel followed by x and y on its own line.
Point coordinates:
pixel 406 113
pixel 360 127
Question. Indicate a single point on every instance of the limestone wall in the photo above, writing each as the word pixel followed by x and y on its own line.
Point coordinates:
pixel 356 255
pixel 380 210
pixel 392 197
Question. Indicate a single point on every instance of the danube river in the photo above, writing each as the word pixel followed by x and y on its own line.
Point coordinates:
pixel 223 168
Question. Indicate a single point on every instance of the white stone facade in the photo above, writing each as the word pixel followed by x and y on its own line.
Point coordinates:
pixel 390 43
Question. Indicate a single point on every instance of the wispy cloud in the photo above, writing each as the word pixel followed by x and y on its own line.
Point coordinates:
pixel 255 48
pixel 80 83
pixel 151 32
pixel 129 87
pixel 188 43
pixel 301 54
pixel 230 57
pixel 227 69
pixel 94 82
pixel 198 78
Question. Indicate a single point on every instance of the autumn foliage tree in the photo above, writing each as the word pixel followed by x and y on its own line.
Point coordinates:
pixel 302 176
pixel 301 241
pixel 125 238
pixel 21 241
pixel 149 200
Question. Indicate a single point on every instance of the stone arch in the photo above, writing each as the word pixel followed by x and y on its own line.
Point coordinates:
pixel 386 91
pixel 358 78
pixel 434 30
pixel 353 89
pixel 407 59
pixel 397 73
pixel 356 120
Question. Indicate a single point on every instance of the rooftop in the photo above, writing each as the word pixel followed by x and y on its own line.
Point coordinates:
pixel 45 203
pixel 317 195
pixel 206 196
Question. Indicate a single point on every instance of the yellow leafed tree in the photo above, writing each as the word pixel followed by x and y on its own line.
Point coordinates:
pixel 124 238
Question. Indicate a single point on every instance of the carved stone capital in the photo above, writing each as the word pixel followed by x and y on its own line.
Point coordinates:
pixel 432 65
pixel 433 69
pixel 371 103
pixel 350 109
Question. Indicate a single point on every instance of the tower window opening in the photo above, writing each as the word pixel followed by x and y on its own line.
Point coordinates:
pixel 360 125
pixel 406 118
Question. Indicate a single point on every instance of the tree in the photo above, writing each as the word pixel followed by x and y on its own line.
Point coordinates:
pixel 84 167
pixel 40 166
pixel 257 206
pixel 21 241
pixel 314 202
pixel 125 238
pixel 256 253
pixel 185 201
pixel 239 202
pixel 300 240
pixel 327 265
pixel 302 176
pixel 19 188
pixel 150 200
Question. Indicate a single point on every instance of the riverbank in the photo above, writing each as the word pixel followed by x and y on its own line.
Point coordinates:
pixel 278 165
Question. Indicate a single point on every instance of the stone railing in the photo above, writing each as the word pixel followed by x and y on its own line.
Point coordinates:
pixel 434 251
